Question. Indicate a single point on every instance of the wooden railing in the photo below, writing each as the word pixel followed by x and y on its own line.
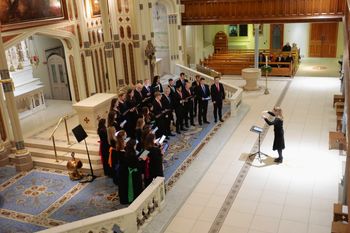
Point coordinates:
pixel 233 93
pixel 261 11
pixel 130 220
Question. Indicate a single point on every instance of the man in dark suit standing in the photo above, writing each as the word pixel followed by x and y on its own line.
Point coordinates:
pixel 181 81
pixel 167 103
pixel 178 101
pixel 171 85
pixel 217 96
pixel 158 113
pixel 203 96
pixel 195 84
pixel 146 93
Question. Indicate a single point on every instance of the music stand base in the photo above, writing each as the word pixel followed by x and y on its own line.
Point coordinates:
pixel 258 153
pixel 89 178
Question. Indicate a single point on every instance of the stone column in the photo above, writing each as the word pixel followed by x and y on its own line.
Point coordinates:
pixel 108 46
pixel 87 50
pixel 256 49
pixel 4 159
pixel 23 159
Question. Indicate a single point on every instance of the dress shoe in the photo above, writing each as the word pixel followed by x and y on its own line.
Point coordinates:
pixel 200 123
pixel 186 126
pixel 221 120
pixel 193 124
pixel 178 132
pixel 184 129
pixel 215 120
pixel 278 160
pixel 206 122
pixel 171 135
pixel 167 137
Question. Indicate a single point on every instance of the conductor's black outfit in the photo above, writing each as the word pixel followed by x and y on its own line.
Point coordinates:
pixel 202 94
pixel 278 142
pixel 217 96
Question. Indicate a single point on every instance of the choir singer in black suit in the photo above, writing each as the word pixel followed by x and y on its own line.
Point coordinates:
pixel 178 102
pixel 217 96
pixel 168 107
pixel 203 96
pixel 277 122
pixel 158 113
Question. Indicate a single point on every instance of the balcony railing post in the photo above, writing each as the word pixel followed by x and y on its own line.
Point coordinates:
pixel 54 147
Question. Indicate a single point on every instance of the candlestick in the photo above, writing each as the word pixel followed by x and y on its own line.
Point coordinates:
pixel 266 60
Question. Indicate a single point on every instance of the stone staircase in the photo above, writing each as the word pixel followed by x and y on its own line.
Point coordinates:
pixel 43 155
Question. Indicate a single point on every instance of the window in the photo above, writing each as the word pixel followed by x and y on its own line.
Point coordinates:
pixel 238 30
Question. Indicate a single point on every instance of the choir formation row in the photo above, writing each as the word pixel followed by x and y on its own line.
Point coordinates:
pixel 139 124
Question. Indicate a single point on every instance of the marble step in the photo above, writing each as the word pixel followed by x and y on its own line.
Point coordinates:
pixel 61 165
pixel 62 146
pixel 61 155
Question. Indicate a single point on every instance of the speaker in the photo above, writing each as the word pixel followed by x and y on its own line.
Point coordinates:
pixel 79 133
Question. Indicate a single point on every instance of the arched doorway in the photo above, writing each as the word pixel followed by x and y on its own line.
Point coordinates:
pixel 276 35
pixel 58 77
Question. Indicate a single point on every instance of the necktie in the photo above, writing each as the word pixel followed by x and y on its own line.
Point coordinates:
pixel 203 89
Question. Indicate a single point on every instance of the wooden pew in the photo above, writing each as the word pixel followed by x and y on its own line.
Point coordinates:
pixel 338 98
pixel 340 227
pixel 340 213
pixel 337 141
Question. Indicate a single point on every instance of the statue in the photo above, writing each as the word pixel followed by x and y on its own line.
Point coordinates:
pixel 73 165
pixel 150 53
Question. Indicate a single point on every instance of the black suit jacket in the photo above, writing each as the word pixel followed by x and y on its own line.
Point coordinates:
pixel 201 94
pixel 138 97
pixel 145 92
pixel 178 82
pixel 217 95
pixel 157 109
pixel 167 104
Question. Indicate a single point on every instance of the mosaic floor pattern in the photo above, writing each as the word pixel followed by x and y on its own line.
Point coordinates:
pixel 43 198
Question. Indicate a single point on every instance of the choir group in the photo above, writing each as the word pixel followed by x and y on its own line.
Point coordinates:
pixel 139 122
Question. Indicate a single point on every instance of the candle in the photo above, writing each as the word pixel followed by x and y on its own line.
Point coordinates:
pixel 266 59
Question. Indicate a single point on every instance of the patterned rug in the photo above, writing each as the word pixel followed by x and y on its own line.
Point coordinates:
pixel 43 198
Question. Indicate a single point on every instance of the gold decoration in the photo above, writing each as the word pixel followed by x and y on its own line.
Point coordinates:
pixel 73 165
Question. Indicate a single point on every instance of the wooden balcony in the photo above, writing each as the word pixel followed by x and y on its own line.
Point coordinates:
pixel 261 11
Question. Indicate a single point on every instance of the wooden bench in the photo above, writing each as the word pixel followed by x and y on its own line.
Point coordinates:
pixel 340 213
pixel 337 141
pixel 338 98
pixel 340 227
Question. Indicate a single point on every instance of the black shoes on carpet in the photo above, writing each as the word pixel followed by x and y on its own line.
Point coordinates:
pixel 278 160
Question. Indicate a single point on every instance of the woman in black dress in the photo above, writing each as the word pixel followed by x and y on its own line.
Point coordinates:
pixel 134 171
pixel 155 157
pixel 132 113
pixel 156 85
pixel 104 146
pixel 121 168
pixel 278 142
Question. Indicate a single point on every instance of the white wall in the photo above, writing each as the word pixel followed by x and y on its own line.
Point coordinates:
pixel 41 44
pixel 298 33
pixel 340 40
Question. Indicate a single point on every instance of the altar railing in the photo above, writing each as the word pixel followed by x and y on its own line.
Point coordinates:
pixel 233 93
pixel 132 219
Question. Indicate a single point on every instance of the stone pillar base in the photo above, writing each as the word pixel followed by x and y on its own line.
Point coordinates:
pixel 4 158
pixel 23 161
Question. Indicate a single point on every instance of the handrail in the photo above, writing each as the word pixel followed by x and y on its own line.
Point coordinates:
pixel 52 136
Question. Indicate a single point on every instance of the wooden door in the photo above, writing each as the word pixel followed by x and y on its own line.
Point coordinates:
pixel 58 78
pixel 276 36
pixel 323 40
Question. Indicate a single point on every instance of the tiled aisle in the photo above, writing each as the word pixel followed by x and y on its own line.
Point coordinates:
pixel 296 196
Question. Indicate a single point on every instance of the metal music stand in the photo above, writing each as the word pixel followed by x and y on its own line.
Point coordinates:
pixel 258 130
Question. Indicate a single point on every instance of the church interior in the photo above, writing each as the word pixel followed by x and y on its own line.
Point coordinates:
pixel 172 116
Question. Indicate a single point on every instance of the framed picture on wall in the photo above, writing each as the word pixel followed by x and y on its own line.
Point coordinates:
pixel 261 30
pixel 95 8
pixel 238 30
pixel 23 14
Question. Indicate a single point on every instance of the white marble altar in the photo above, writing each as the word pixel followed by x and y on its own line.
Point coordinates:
pixel 91 109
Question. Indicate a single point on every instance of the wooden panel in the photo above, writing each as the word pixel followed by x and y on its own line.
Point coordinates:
pixel 261 11
pixel 323 40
